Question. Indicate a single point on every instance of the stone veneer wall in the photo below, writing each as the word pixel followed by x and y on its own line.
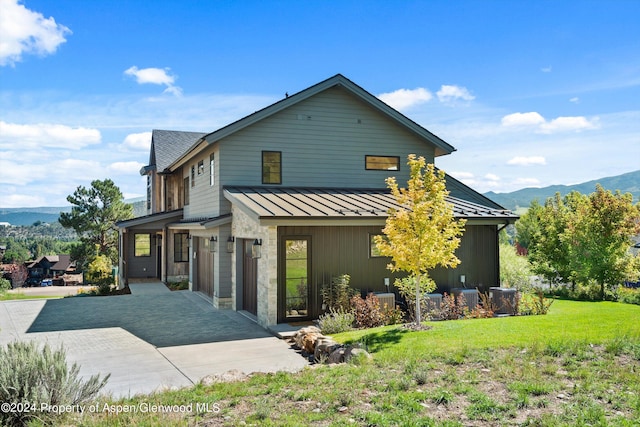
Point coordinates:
pixel 245 227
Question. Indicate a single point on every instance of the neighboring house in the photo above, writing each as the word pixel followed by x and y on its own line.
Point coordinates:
pixel 259 214
pixel 3 249
pixel 51 266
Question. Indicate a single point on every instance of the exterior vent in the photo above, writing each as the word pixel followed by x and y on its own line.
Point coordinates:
pixel 388 298
pixel 470 296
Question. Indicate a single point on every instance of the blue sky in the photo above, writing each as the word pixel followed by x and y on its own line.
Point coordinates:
pixel 531 93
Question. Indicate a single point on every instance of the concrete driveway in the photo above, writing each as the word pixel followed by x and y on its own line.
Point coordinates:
pixel 149 340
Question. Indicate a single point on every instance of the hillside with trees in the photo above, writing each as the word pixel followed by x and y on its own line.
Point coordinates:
pixel 626 183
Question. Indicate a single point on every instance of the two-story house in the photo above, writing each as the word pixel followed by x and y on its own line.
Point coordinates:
pixel 259 214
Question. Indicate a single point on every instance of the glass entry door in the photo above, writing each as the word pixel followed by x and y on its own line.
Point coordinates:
pixel 296 278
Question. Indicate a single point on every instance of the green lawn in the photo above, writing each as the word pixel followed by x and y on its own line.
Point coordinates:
pixel 8 296
pixel 578 365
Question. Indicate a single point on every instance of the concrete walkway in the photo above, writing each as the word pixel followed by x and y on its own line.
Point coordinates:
pixel 149 340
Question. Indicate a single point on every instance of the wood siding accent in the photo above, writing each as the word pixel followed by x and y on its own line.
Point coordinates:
pixel 204 267
pixel 249 279
pixel 323 141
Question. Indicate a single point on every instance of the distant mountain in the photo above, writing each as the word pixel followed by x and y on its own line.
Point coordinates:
pixel 27 216
pixel 49 214
pixel 626 183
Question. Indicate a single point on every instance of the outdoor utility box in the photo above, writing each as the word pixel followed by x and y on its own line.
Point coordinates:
pixel 504 299
pixel 388 298
pixel 434 301
pixel 470 296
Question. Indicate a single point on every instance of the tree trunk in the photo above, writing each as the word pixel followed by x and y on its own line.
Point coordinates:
pixel 418 314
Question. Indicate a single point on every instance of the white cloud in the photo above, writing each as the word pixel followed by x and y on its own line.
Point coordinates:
pixel 527 161
pixel 452 93
pixel 156 76
pixel 405 98
pixel 41 135
pixel 522 119
pixel 492 177
pixel 138 141
pixel 22 200
pixel 461 175
pixel 527 182
pixel 546 69
pixel 559 124
pixel 567 124
pixel 23 31
pixel 575 100
pixel 125 167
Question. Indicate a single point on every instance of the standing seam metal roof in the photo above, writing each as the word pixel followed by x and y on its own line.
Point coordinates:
pixel 292 202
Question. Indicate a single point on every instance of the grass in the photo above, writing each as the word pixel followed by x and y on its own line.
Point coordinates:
pixel 10 296
pixel 579 365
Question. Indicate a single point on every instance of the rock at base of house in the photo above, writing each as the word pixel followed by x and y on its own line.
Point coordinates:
pixel 324 347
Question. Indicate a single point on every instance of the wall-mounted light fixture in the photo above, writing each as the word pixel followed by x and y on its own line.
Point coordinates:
pixel 189 239
pixel 213 244
pixel 230 243
pixel 256 249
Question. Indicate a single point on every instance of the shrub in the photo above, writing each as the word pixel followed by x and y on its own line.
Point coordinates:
pixel 5 285
pixel 178 286
pixel 534 304
pixel 485 309
pixel 514 269
pixel 453 308
pixel 337 294
pixel 40 376
pixel 629 296
pixel 337 321
pixel 407 289
pixel 367 311
pixel 392 315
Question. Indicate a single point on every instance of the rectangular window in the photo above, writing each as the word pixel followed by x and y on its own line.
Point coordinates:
pixel 272 167
pixel 148 192
pixel 212 170
pixel 374 252
pixel 382 163
pixel 181 247
pixel 142 245
pixel 200 167
pixel 186 191
pixel 193 176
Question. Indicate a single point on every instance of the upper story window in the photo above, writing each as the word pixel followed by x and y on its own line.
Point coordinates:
pixel 382 163
pixel 186 191
pixel 272 167
pixel 193 176
pixel 200 167
pixel 148 192
pixel 142 245
pixel 212 170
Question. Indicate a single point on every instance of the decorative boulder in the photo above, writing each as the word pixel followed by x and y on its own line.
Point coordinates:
pixel 324 347
pixel 306 338
pixel 355 352
pixel 336 356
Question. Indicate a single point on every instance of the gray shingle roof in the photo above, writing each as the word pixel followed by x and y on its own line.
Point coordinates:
pixel 334 203
pixel 168 145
